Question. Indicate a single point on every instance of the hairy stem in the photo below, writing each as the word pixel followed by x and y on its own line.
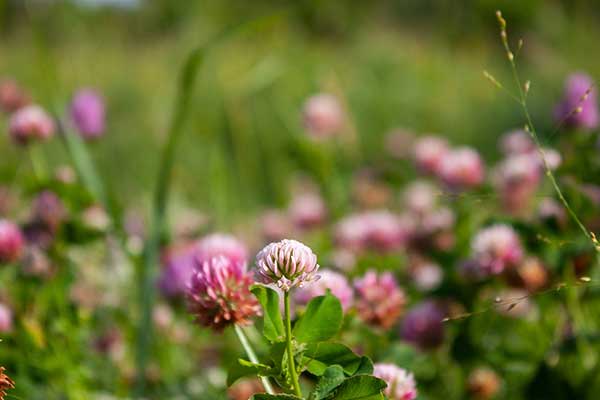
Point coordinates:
pixel 288 342
pixel 252 356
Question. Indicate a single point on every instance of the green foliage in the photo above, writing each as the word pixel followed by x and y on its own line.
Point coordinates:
pixel 321 321
pixel 273 328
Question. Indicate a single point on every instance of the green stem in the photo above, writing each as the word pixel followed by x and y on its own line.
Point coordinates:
pixel 522 100
pixel 252 356
pixel 37 162
pixel 288 342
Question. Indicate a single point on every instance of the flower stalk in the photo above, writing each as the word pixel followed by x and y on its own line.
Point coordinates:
pixel 289 348
pixel 252 356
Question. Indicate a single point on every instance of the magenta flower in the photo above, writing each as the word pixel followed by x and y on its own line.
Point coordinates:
pixel 380 301
pixel 218 294
pixel 180 262
pixel 6 318
pixel 31 123
pixel 429 152
pixel 287 264
pixel 11 242
pixel 423 325
pixel 333 281
pixel 496 248
pixel 221 244
pixel 323 115
pixel 577 109
pixel 400 383
pixel 461 168
pixel 88 114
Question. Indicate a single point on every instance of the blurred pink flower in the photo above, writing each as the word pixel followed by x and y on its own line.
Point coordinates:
pixel 400 383
pixel 287 264
pixel 420 197
pixel 496 248
pixel 87 113
pixel 12 96
pixel 6 318
pixel 429 152
pixel 336 282
pixel 423 325
pixel 308 210
pixel 323 115
pixel 576 110
pixel 379 229
pixel 399 143
pixel 380 301
pixel 461 168
pixel 31 123
pixel 180 261
pixel 516 142
pixel 218 294
pixel 275 225
pixel 11 242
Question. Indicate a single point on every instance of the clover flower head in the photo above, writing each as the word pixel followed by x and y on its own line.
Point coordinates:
pixel 423 325
pixel 462 168
pixel 12 96
pixel 323 115
pixel 287 264
pixel 400 383
pixel 429 152
pixel 11 242
pixel 5 383
pixel 31 123
pixel 516 142
pixel 218 294
pixel 496 248
pixel 380 301
pixel 217 244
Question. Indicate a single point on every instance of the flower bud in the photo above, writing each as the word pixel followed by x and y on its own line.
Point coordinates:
pixel 287 264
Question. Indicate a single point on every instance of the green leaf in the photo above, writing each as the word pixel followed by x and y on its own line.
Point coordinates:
pixel 245 368
pixel 365 367
pixel 319 356
pixel 321 321
pixel 264 396
pixel 360 387
pixel 332 377
pixel 273 328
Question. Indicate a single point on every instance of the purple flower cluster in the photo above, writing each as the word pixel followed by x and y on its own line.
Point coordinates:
pixel 579 106
pixel 88 113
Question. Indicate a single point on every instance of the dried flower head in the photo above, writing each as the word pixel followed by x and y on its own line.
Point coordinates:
pixel 330 280
pixel 31 123
pixel 483 383
pixel 5 383
pixel 423 325
pixel 380 301
pixel 287 264
pixel 400 383
pixel 496 248
pixel 219 294
pixel 323 115
pixel 11 242
pixel 87 113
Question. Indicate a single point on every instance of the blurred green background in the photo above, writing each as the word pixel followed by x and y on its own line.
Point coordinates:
pixel 414 64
